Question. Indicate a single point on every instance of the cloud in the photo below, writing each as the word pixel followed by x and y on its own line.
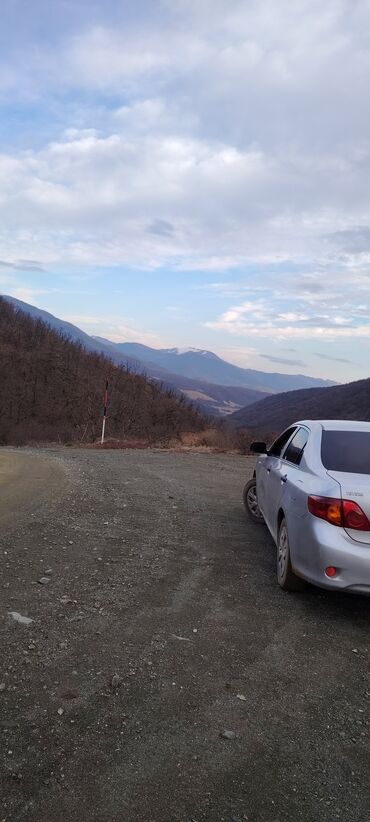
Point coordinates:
pixel 274 332
pixel 351 245
pixel 115 328
pixel 262 318
pixel 284 360
pixel 333 359
pixel 161 227
pixel 212 117
pixel 91 199
pixel 27 295
pixel 22 265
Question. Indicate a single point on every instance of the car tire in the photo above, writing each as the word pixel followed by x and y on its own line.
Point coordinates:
pixel 286 577
pixel 251 503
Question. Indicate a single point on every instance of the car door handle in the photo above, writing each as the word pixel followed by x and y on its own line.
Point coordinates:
pixel 284 478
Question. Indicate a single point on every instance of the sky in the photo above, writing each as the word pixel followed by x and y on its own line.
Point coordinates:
pixel 192 173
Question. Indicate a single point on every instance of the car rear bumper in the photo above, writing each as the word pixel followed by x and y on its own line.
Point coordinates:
pixel 326 545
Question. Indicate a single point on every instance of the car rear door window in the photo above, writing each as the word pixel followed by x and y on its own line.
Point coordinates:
pixel 278 446
pixel 347 451
pixel 295 448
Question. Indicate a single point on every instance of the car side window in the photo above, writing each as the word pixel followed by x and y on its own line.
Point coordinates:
pixel 278 446
pixel 293 452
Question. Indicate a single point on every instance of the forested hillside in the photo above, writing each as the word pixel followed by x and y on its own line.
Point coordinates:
pixel 52 390
pixel 348 402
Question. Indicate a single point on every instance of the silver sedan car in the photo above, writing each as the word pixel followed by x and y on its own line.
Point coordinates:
pixel 312 489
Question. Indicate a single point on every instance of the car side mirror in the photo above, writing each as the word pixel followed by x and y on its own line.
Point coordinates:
pixel 258 448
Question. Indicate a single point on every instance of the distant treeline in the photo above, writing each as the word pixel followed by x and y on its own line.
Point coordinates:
pixel 340 402
pixel 52 391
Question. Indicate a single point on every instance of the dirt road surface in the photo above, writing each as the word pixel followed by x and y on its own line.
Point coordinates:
pixel 161 628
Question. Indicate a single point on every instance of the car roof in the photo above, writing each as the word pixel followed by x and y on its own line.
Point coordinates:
pixel 336 425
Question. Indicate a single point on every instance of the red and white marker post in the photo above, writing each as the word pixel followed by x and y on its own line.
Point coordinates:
pixel 104 412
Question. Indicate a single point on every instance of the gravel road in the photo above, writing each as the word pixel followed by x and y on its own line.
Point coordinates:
pixel 165 677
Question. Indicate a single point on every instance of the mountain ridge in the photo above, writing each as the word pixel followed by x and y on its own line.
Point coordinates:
pixel 216 386
pixel 349 401
pixel 190 364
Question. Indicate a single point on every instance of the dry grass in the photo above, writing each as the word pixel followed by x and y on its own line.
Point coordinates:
pixel 211 440
pixel 217 440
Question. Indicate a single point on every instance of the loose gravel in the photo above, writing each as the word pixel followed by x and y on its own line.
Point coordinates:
pixel 160 675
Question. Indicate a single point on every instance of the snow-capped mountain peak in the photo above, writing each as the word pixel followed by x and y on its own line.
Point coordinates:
pixel 201 351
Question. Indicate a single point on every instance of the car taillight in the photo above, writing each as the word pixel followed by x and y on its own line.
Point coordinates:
pixel 326 508
pixel 354 516
pixel 344 513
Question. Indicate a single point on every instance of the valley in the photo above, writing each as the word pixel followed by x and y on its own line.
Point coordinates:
pixel 216 386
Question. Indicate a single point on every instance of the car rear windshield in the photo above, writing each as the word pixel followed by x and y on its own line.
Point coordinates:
pixel 347 451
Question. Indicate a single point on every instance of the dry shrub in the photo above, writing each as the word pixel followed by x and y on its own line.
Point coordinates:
pixel 220 438
pixel 111 444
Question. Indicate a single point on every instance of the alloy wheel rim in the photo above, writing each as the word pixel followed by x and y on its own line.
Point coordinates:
pixel 283 551
pixel 252 501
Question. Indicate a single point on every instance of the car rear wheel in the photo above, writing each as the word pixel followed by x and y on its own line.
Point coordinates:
pixel 287 579
pixel 251 502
